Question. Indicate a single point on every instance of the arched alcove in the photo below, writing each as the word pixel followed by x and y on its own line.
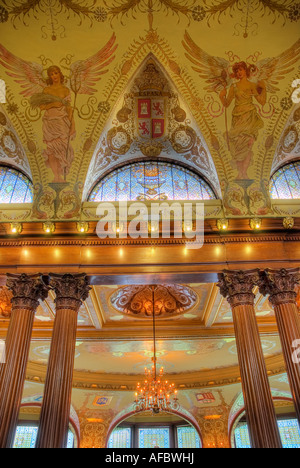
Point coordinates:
pixel 15 187
pixel 12 152
pixel 288 148
pixel 151 121
pixel 285 182
pixel 151 180
pixel 172 417
pixel 286 416
pixel 28 425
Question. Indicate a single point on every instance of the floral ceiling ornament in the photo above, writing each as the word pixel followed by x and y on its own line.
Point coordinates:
pixel 118 9
pixel 169 300
pixel 30 9
pixel 217 10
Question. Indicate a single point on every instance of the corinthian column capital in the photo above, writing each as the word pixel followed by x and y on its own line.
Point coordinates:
pixel 27 290
pixel 71 290
pixel 279 285
pixel 237 286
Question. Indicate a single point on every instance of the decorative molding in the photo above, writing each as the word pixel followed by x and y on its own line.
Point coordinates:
pixel 280 285
pixel 189 380
pixel 169 300
pixel 209 239
pixel 27 290
pixel 237 286
pixel 70 290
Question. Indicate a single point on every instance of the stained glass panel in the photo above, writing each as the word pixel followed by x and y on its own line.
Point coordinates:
pixel 187 437
pixel 26 437
pixel 285 183
pixel 14 187
pixel 242 438
pixel 289 431
pixel 120 438
pixel 151 181
pixel 154 437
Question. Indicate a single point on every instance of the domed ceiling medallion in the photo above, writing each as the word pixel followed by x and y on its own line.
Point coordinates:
pixel 169 300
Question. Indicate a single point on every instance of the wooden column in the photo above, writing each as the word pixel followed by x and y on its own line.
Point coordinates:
pixel 27 291
pixel 237 287
pixel 70 291
pixel 280 285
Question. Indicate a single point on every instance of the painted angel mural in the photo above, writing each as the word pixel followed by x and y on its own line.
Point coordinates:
pixel 245 85
pixel 53 96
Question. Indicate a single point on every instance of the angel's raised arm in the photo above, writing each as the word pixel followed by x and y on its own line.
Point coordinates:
pixel 28 75
pixel 227 100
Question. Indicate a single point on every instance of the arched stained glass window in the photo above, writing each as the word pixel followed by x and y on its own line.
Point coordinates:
pixel 285 183
pixel 14 186
pixel 151 181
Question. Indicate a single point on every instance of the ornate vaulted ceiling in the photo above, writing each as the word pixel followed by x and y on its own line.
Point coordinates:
pixel 234 130
pixel 195 345
pixel 182 56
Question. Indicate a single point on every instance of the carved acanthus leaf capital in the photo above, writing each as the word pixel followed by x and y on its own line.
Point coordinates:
pixel 280 285
pixel 237 286
pixel 70 290
pixel 27 290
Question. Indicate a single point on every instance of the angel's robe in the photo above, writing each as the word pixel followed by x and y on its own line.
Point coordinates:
pixel 246 124
pixel 58 133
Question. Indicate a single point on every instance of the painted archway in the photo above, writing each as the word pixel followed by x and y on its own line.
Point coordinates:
pixel 130 411
pixel 235 419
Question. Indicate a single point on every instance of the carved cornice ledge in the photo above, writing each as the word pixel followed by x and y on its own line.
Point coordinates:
pixel 209 239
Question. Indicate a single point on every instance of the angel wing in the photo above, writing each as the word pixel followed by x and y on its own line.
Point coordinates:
pixel 215 70
pixel 85 73
pixel 272 70
pixel 28 75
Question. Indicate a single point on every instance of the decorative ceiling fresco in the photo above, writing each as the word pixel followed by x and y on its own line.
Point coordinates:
pixel 128 358
pixel 94 85
pixel 218 75
pixel 194 333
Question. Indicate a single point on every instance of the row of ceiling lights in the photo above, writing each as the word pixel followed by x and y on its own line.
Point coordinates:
pixel 255 224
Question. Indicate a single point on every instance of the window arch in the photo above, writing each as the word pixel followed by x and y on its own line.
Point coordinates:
pixel 151 181
pixel 285 183
pixel 15 187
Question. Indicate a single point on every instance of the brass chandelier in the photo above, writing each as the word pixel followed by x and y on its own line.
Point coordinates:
pixel 155 393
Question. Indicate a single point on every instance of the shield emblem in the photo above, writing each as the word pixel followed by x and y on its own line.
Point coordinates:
pixel 151 117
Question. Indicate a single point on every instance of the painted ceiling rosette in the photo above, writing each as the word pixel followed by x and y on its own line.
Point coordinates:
pixel 169 300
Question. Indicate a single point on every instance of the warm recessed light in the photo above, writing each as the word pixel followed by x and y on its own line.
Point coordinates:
pixel 49 227
pixel 16 228
pixel 82 227
pixel 255 224
pixel 222 224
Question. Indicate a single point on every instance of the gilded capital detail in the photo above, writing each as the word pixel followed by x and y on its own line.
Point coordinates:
pixel 71 290
pixel 27 290
pixel 237 286
pixel 279 285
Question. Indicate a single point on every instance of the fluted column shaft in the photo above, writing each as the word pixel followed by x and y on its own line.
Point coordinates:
pixel 27 290
pixel 237 287
pixel 70 291
pixel 280 285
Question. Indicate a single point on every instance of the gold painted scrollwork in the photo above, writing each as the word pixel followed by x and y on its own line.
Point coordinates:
pixel 183 139
pixel 118 140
